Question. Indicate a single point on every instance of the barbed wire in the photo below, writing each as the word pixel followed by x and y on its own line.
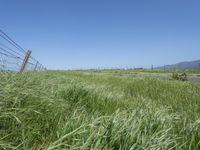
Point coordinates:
pixel 12 56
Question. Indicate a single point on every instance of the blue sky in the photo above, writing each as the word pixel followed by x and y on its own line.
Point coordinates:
pixel 73 34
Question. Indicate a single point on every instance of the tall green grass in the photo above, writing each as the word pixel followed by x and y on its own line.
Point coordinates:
pixel 74 110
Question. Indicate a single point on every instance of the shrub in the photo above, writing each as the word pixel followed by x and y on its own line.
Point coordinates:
pixel 180 77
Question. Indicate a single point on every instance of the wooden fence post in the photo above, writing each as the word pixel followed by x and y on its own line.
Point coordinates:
pixel 28 54
pixel 36 66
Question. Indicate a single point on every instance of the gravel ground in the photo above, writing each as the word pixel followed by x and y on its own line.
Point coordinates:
pixel 190 78
pixel 167 77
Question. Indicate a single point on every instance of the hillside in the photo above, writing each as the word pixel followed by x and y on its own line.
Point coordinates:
pixel 188 65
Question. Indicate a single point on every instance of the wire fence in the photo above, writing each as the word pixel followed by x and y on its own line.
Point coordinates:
pixel 12 56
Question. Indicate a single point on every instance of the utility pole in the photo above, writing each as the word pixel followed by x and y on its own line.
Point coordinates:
pixel 151 67
pixel 28 54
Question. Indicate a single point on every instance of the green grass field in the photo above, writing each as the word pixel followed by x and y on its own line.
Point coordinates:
pixel 85 110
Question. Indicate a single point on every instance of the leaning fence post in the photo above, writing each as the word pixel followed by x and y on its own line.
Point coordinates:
pixel 36 66
pixel 25 61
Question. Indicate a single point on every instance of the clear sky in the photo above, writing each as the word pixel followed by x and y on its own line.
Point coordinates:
pixel 73 34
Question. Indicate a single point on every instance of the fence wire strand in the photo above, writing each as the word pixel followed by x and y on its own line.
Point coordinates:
pixel 12 56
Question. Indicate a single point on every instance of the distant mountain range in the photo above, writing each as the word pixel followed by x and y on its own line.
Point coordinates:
pixel 187 65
